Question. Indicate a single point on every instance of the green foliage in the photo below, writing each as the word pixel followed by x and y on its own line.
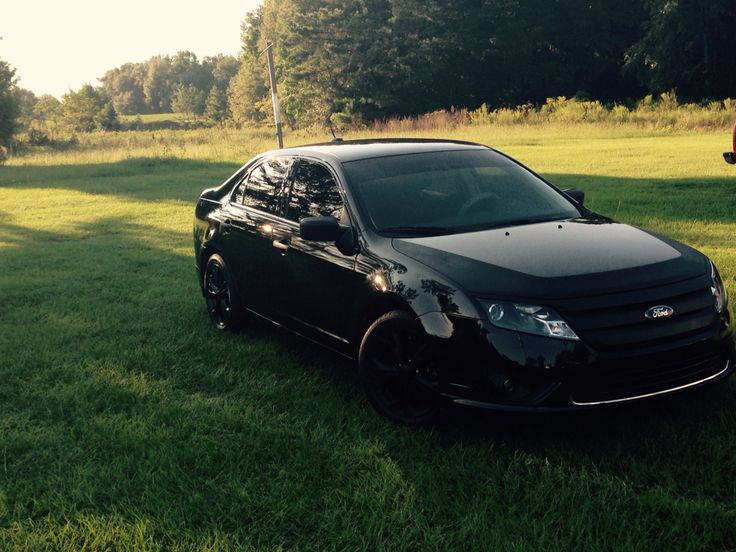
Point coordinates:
pixel 223 69
pixel 158 84
pixel 187 99
pixel 47 116
pixel 26 101
pixel 88 109
pixel 334 60
pixel 371 59
pixel 248 100
pixel 149 87
pixel 215 109
pixel 124 86
pixel 9 105
pixel 688 45
pixel 663 113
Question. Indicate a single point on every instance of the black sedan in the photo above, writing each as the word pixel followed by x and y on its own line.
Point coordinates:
pixel 452 273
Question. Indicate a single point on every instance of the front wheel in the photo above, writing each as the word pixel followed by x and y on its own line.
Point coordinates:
pixel 220 295
pixel 398 370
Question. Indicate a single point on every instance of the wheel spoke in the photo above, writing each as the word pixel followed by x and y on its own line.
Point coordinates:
pixel 400 373
pixel 384 368
pixel 217 294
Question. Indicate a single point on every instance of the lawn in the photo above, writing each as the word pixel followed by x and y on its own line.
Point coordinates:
pixel 126 422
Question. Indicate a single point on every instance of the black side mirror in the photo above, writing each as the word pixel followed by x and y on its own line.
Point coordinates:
pixel 320 229
pixel 327 229
pixel 730 156
pixel 577 195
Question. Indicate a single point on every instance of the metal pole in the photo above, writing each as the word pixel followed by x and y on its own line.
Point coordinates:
pixel 274 96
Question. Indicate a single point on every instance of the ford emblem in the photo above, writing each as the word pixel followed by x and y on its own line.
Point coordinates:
pixel 660 311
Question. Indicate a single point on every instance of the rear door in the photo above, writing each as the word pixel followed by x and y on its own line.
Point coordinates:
pixel 252 231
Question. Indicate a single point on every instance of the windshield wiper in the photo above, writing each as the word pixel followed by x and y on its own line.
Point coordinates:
pixel 420 230
pixel 513 222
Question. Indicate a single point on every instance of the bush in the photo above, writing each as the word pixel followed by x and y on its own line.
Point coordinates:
pixel 663 112
pixel 37 137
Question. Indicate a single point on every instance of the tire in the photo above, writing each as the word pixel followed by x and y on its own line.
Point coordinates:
pixel 398 371
pixel 220 294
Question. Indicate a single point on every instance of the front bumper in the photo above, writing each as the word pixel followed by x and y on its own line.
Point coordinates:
pixel 496 369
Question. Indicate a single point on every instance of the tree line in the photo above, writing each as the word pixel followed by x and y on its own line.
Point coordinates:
pixel 343 60
pixel 179 83
pixel 353 61
pixel 169 83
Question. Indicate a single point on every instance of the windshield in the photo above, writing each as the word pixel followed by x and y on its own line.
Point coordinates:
pixel 452 191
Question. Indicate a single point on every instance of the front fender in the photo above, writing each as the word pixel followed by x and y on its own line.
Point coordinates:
pixel 407 284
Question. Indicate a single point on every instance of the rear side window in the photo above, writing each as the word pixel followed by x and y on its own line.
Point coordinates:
pixel 314 193
pixel 263 188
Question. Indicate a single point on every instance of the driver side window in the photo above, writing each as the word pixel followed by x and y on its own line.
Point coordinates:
pixel 314 193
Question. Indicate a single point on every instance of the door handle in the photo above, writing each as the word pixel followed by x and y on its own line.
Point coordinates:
pixel 280 245
pixel 230 224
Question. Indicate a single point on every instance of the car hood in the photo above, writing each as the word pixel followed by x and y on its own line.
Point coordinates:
pixel 560 259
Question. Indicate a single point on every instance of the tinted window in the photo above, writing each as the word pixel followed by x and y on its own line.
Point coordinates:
pixel 263 188
pixel 314 193
pixel 453 189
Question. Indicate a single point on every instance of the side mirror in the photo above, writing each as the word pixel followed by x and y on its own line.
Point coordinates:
pixel 730 156
pixel 577 195
pixel 325 229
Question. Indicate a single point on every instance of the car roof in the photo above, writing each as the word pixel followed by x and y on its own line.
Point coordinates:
pixel 354 150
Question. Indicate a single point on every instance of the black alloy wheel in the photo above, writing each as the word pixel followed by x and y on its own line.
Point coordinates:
pixel 398 370
pixel 220 295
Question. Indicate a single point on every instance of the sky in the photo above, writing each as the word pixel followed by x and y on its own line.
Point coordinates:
pixel 57 45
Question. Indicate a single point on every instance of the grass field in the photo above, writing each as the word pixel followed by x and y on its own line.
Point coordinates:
pixel 153 117
pixel 126 422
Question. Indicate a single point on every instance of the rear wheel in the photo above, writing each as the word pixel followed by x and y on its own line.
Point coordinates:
pixel 398 370
pixel 222 301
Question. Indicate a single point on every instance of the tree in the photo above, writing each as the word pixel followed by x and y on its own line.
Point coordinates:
pixel 107 118
pixel 367 59
pixel 88 109
pixel 335 60
pixel 186 69
pixel 215 109
pixel 247 95
pixel 47 111
pixel 9 108
pixel 26 101
pixel 689 45
pixel 124 85
pixel 158 86
pixel 187 99
pixel 223 69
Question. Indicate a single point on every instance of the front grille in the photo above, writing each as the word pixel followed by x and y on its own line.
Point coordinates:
pixel 646 377
pixel 616 322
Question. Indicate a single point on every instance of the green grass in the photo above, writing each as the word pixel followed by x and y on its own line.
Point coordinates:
pixel 126 422
pixel 154 117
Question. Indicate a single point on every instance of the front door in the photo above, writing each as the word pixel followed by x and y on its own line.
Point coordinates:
pixel 322 280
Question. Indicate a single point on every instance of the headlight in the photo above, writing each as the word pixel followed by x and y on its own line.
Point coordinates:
pixel 719 292
pixel 532 319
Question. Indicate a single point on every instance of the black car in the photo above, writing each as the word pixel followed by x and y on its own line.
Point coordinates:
pixel 453 273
